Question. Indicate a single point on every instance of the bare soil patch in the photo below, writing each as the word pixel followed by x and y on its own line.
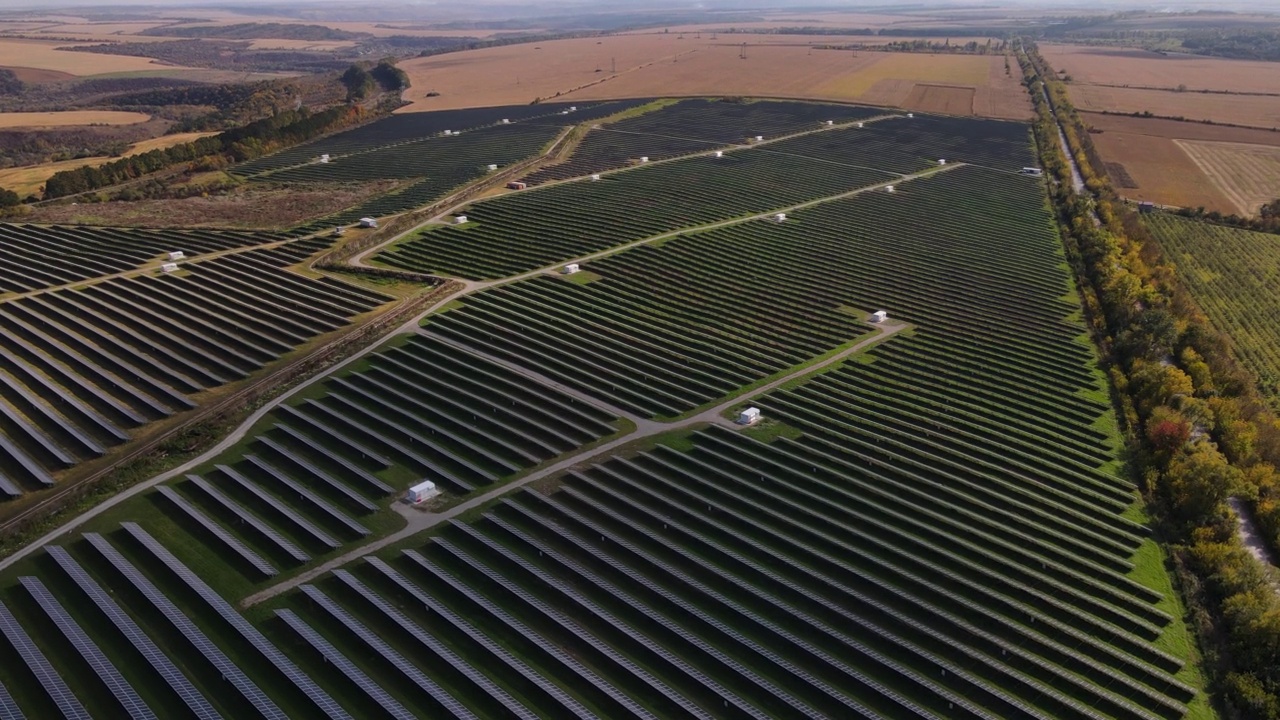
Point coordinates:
pixel 1161 172
pixel 37 75
pixel 254 208
pixel 64 118
pixel 945 99
pixel 1228 169
pixel 1262 111
pixel 1158 127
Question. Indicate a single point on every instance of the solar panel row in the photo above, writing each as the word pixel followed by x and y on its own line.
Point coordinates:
pixel 141 642
pixel 249 519
pixel 575 630
pixel 232 543
pixel 624 704
pixel 89 651
pixel 9 709
pixel 319 697
pixel 437 648
pixel 395 659
pixel 188 630
pixel 279 508
pixel 345 666
pixel 566 702
pixel 39 666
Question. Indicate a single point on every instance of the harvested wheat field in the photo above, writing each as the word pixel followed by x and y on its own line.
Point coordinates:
pixel 45 55
pixel 29 179
pixel 63 118
pixel 664 65
pixel 1187 164
pixel 1249 175
pixel 1136 68
pixel 1262 111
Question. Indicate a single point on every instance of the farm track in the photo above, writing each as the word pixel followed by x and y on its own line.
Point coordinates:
pixel 418 522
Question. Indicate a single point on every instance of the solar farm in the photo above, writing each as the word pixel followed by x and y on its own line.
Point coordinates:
pixel 928 518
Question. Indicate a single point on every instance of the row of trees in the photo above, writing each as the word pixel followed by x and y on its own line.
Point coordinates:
pixel 1197 431
pixel 236 145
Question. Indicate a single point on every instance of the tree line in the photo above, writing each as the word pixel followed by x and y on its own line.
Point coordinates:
pixel 236 145
pixel 1196 428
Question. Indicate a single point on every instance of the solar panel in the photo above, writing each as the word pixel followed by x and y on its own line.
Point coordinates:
pixel 567 702
pixel 583 672
pixel 331 459
pixel 573 628
pixel 249 519
pixel 686 668
pixel 307 495
pixel 39 665
pixel 141 642
pixel 9 709
pixel 398 661
pixel 278 505
pixel 438 648
pixel 188 630
pixel 88 649
pixel 335 658
pixel 326 704
pixel 232 542
pixel 314 473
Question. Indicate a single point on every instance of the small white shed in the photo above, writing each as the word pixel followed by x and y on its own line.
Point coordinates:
pixel 505 121
pixel 859 124
pixel 888 188
pixel 942 161
pixel 572 108
pixel 324 158
pixel 644 158
pixel 750 416
pixel 177 255
pixel 368 222
pixel 460 220
pixel 422 492
pixel 570 269
pixel 595 177
pixel 879 316
pixel 169 267
pixel 911 115
pixel 831 122
pixel 338 231
pixel 447 132
pixel 719 153
pixel 780 217
pixel 759 138
pixel 492 167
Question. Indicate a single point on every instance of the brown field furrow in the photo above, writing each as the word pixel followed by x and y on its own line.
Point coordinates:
pixel 1247 174
pixel 1134 67
pixel 663 65
pixel 1251 110
pixel 1163 172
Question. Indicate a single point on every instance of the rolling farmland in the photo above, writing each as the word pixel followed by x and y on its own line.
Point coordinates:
pixel 935 527
pixel 1231 274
